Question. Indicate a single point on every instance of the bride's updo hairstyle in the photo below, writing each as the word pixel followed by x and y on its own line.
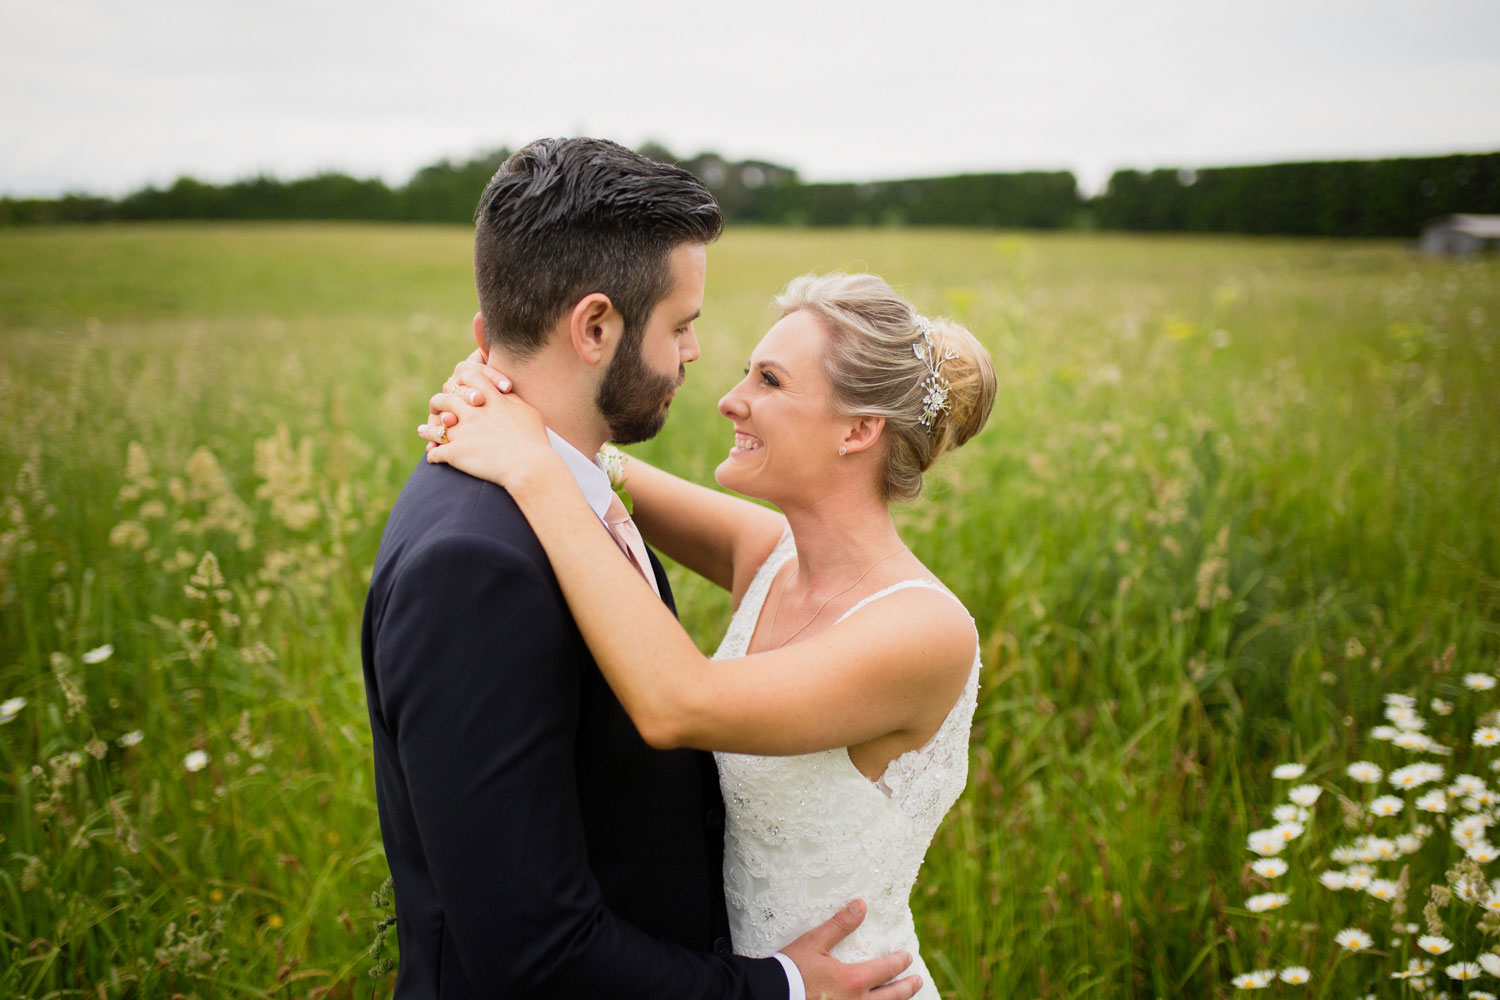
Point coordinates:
pixel 870 361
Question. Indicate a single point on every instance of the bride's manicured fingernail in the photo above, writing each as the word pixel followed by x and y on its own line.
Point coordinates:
pixel 503 385
pixel 473 396
pixel 421 428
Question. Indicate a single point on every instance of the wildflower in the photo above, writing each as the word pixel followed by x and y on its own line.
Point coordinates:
pixel 1304 795
pixel 1481 995
pixel 1490 962
pixel 1480 801
pixel 1365 772
pixel 1463 970
pixel 1408 843
pixel 1403 700
pixel 1419 966
pixel 1265 842
pixel 1486 736
pixel 1442 707
pixel 1386 733
pixel 1269 867
pixel 1466 784
pixel 1415 741
pixel 1357 879
pixel 274 921
pixel 1400 713
pixel 1334 880
pixel 1287 772
pixel 1478 682
pixel 1382 889
pixel 1414 775
pixel 1483 852
pixel 1467 889
pixel 130 739
pixel 1267 901
pixel 1297 975
pixel 1434 801
pixel 1353 939
pixel 99 655
pixel 1434 945
pixel 195 761
pixel 10 708
pixel 1257 980
pixel 1387 805
pixel 1288 813
pixel 1288 832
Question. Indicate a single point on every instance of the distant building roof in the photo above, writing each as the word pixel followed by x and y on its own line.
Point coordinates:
pixel 1484 227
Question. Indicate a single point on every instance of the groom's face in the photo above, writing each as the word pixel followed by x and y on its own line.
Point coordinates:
pixel 641 379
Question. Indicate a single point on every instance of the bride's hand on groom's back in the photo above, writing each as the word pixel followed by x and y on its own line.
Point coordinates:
pixel 826 978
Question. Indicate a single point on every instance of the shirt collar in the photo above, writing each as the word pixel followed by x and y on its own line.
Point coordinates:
pixel 590 476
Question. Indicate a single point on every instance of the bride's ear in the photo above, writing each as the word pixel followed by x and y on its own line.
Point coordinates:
pixel 480 340
pixel 862 434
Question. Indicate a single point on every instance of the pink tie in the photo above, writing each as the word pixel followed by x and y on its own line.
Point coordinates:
pixel 628 537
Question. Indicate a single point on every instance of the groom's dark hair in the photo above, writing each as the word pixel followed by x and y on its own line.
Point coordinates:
pixel 564 218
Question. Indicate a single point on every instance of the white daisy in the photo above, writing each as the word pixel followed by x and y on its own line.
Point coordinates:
pixel 1408 843
pixel 1385 733
pixel 1356 879
pixel 1486 736
pixel 1435 801
pixel 1265 842
pixel 99 654
pixel 1353 939
pixel 1297 975
pixel 1269 867
pixel 1483 852
pixel 131 739
pixel 1481 995
pixel 1304 795
pixel 1288 813
pixel 1400 713
pixel 1365 772
pixel 1334 879
pixel 1414 741
pixel 195 761
pixel 1478 682
pixel 1257 980
pixel 1287 772
pixel 1382 888
pixel 1404 700
pixel 1267 901
pixel 1463 970
pixel 1387 805
pixel 1442 707
pixel 1433 944
pixel 1467 784
pixel 1414 775
pixel 1490 962
pixel 10 708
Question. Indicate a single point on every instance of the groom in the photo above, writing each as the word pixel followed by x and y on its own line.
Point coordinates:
pixel 539 847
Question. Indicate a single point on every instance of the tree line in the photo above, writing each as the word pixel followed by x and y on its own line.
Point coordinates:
pixel 1391 197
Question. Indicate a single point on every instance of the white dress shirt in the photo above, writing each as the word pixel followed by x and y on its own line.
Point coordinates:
pixel 594 482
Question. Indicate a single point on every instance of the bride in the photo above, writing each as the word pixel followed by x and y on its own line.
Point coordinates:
pixel 841 702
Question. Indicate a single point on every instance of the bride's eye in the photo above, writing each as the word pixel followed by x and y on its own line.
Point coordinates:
pixel 769 379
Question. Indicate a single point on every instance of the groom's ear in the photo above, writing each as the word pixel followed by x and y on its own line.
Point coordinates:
pixel 481 340
pixel 594 328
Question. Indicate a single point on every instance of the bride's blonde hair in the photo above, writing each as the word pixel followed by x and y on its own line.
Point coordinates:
pixel 869 359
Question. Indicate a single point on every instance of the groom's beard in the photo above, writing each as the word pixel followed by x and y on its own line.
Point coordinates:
pixel 633 399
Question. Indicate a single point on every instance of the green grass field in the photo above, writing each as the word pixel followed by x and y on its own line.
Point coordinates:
pixel 1233 494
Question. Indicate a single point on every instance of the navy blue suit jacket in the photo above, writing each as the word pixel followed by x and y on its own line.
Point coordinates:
pixel 539 847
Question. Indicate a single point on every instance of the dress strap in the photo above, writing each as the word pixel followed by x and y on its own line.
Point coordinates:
pixel 903 585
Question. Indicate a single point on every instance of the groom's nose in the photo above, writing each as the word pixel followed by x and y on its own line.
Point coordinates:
pixel 687 346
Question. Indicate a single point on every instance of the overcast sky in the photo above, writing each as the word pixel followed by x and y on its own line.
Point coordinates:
pixel 106 97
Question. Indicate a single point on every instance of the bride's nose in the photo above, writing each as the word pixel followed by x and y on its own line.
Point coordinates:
pixel 731 404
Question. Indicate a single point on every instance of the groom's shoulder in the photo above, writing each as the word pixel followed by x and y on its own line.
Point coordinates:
pixel 441 508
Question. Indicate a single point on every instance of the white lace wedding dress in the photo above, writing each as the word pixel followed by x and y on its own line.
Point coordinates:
pixel 807 834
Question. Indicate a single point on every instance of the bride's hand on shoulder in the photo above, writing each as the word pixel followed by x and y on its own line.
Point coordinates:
pixel 478 427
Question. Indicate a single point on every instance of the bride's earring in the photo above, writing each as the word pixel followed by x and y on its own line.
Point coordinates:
pixel 843 451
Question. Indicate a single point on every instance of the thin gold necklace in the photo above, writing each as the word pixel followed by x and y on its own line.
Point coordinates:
pixel 781 594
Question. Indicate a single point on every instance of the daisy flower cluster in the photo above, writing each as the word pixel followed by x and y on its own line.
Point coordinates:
pixel 1409 836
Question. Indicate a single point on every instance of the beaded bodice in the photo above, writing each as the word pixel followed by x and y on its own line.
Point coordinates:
pixel 806 834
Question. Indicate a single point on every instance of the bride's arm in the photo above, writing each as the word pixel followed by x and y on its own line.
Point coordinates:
pixel 720 537
pixel 867 677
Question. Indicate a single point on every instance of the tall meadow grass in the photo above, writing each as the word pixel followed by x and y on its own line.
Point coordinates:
pixel 1234 494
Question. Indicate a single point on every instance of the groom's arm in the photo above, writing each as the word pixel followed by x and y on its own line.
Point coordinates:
pixel 484 714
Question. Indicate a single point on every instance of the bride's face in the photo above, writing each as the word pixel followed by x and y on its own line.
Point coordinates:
pixel 786 434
